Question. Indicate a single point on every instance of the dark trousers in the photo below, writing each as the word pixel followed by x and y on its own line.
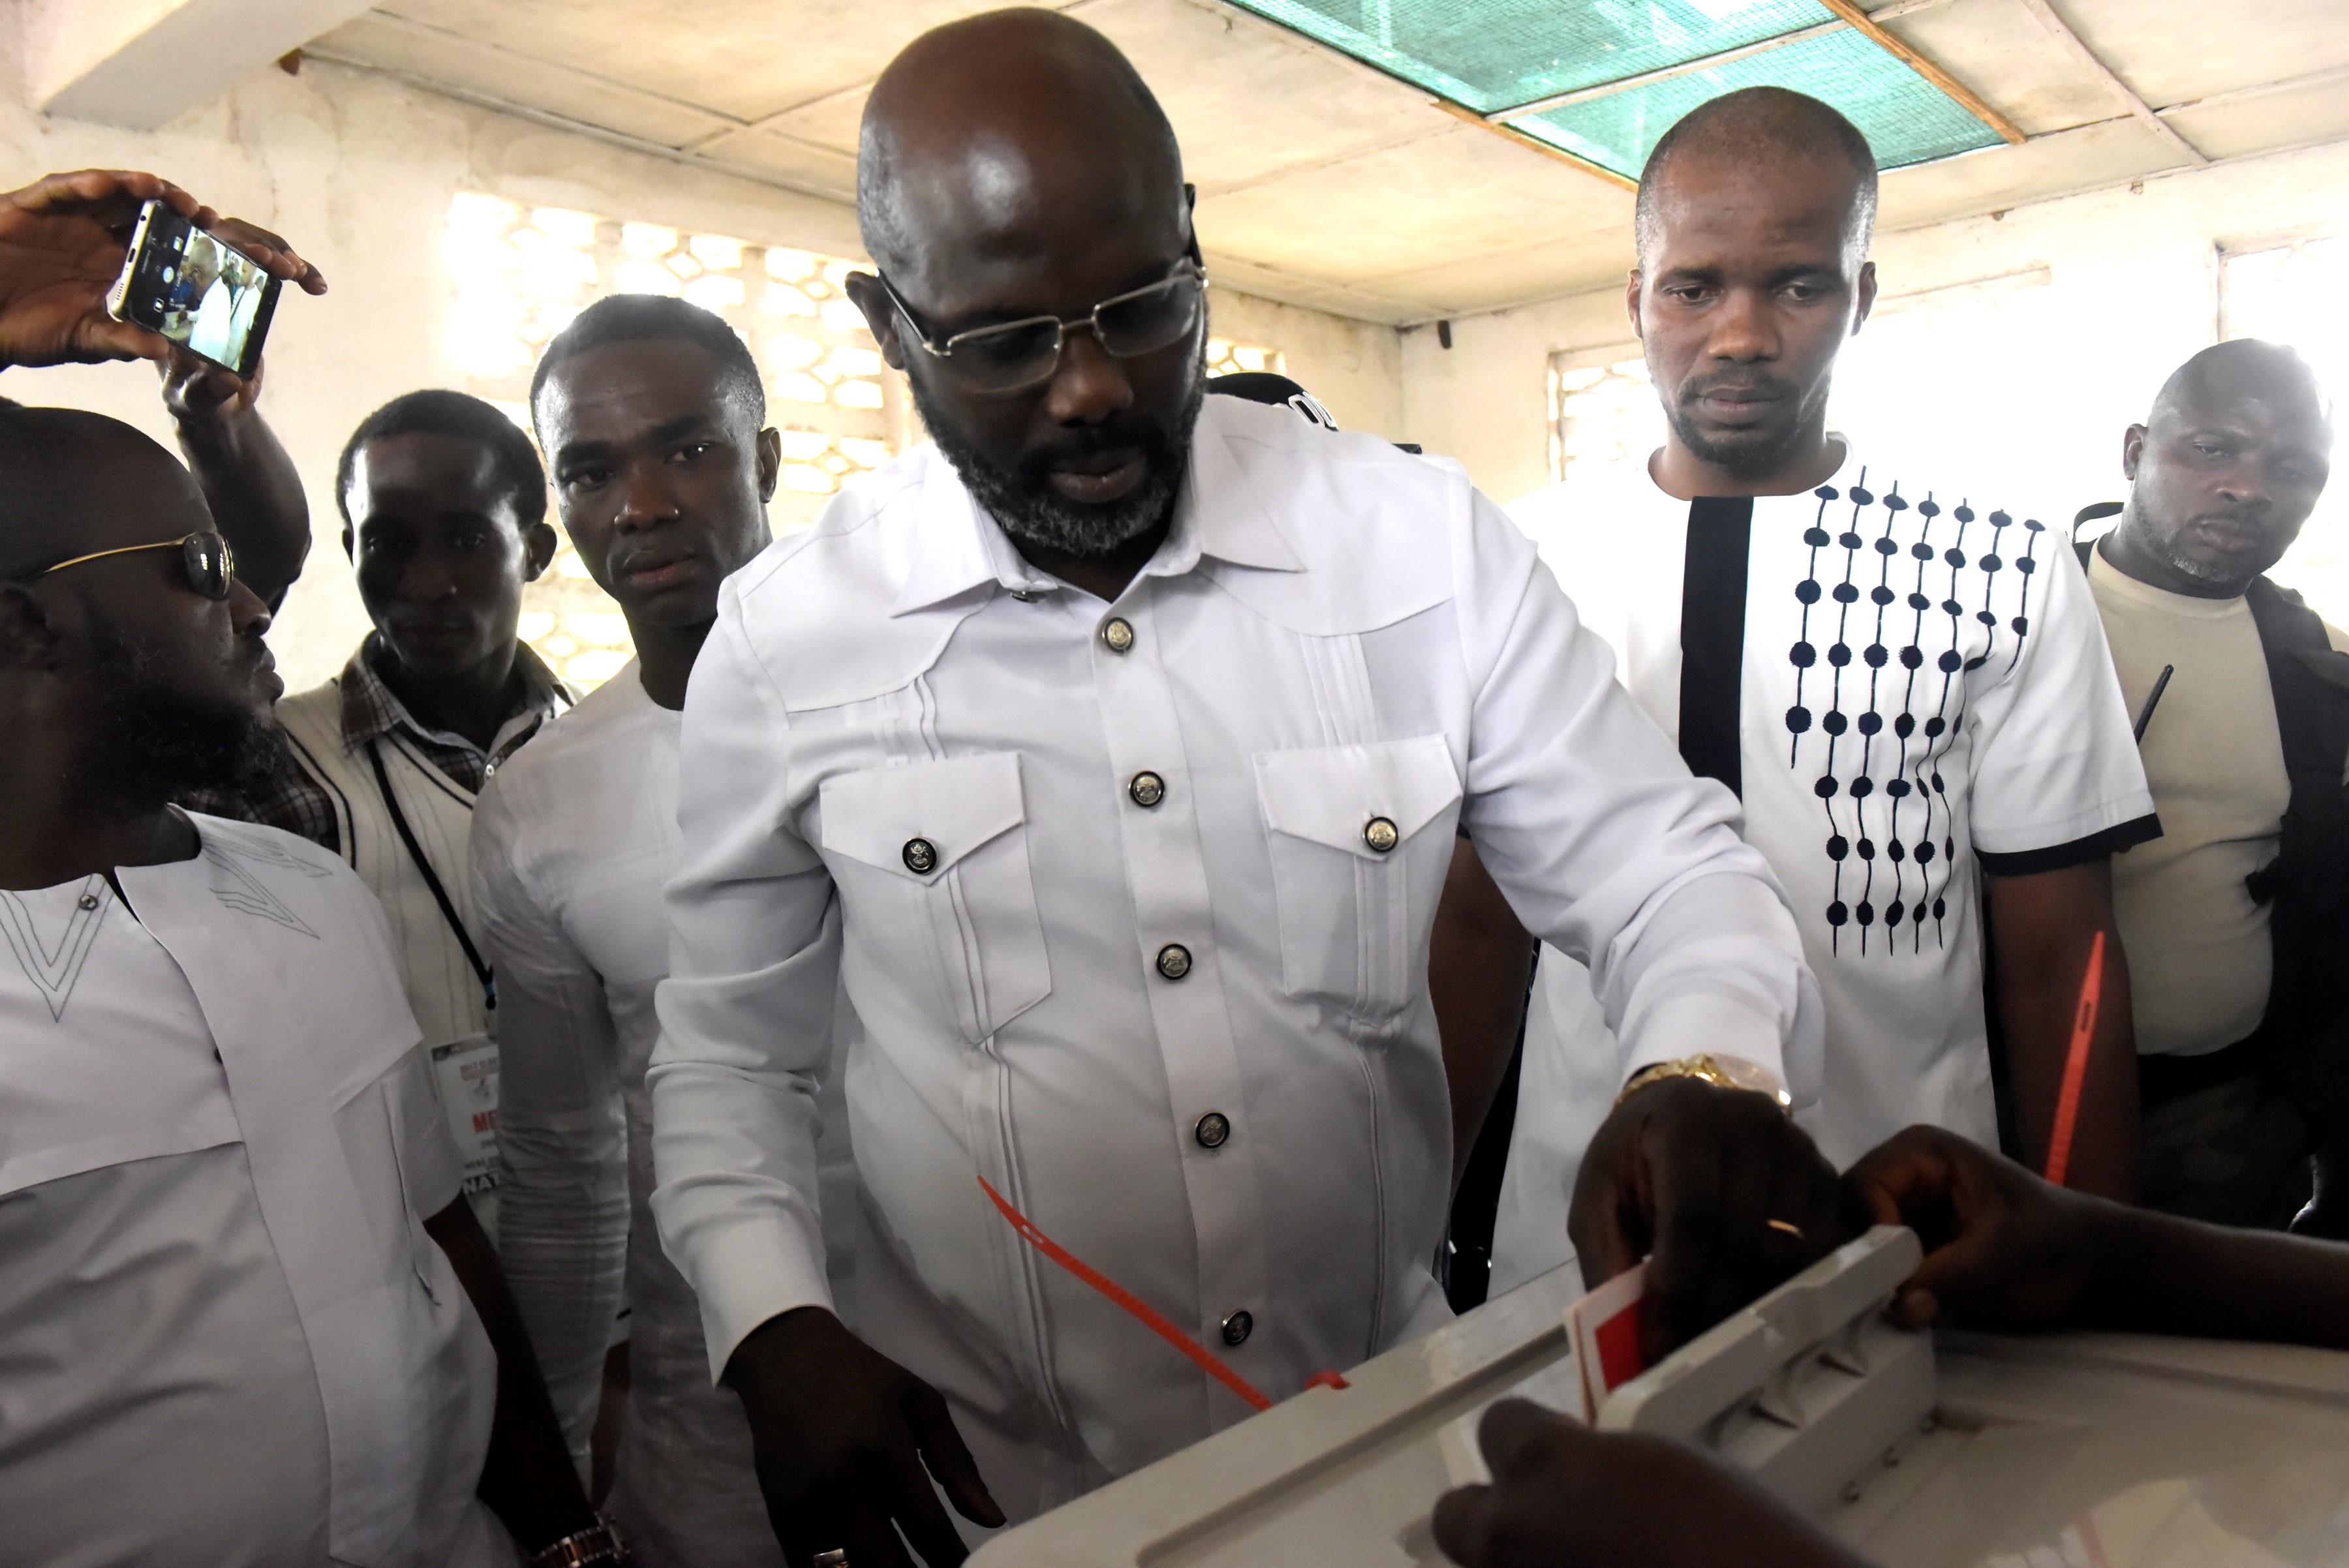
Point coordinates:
pixel 2220 1139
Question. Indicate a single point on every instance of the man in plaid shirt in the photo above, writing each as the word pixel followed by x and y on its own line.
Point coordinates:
pixel 444 517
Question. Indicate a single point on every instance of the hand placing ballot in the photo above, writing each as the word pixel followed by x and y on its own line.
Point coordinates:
pixel 1716 1188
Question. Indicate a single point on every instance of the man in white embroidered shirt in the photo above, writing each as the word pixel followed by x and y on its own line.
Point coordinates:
pixel 1904 679
pixel 1112 752
pixel 241 1319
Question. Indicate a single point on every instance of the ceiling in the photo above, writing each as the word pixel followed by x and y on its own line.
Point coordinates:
pixel 1325 183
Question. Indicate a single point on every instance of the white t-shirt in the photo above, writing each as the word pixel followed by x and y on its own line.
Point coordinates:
pixel 572 841
pixel 2200 951
pixel 1920 689
pixel 225 1336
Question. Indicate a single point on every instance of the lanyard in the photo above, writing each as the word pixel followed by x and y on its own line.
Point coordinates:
pixel 431 879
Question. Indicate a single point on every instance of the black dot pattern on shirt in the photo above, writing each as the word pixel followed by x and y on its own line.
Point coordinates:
pixel 1902 599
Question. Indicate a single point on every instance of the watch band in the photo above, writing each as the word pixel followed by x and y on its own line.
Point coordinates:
pixel 599 1544
pixel 1720 1072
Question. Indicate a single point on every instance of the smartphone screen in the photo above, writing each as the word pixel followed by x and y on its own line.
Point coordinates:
pixel 195 290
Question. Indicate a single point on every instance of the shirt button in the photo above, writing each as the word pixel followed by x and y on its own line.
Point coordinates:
pixel 1147 789
pixel 1117 634
pixel 1173 961
pixel 1237 1327
pixel 1379 835
pixel 88 900
pixel 1215 1130
pixel 921 857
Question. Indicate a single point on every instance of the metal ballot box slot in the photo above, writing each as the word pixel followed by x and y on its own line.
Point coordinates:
pixel 2081 1452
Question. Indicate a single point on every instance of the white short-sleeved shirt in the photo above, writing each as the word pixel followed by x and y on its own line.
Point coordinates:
pixel 1912 685
pixel 225 1336
pixel 1134 903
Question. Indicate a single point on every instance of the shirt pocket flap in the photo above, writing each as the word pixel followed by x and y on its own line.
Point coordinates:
pixel 918 819
pixel 1333 796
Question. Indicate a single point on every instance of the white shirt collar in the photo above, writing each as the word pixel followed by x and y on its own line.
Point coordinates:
pixel 958 546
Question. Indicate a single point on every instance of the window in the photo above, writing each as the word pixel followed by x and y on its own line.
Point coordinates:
pixel 1604 79
pixel 1225 358
pixel 2292 294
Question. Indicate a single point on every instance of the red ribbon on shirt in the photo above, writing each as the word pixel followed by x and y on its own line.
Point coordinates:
pixel 1142 1311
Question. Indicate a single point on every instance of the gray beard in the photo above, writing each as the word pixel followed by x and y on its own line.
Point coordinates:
pixel 1032 512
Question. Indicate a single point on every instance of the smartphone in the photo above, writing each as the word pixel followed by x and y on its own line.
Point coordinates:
pixel 200 292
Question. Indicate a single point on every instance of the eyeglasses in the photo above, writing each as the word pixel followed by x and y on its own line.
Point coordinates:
pixel 1016 355
pixel 205 556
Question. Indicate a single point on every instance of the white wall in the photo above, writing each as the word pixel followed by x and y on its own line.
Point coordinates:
pixel 2132 279
pixel 357 172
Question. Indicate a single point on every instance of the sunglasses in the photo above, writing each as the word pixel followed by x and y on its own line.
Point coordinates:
pixel 205 556
pixel 1015 355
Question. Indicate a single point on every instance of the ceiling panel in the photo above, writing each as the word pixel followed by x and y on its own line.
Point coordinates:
pixel 746 58
pixel 1999 50
pixel 1905 119
pixel 1327 184
pixel 1497 53
pixel 2317 109
pixel 2174 50
pixel 823 170
pixel 1408 207
pixel 433 55
pixel 1248 101
pixel 2107 153
pixel 1569 264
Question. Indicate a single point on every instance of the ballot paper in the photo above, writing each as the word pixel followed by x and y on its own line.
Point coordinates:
pixel 1604 1327
pixel 1601 1354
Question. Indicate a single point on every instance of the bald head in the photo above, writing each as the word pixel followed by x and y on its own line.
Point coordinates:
pixel 987 135
pixel 71 482
pixel 1757 127
pixel 2224 472
pixel 2242 370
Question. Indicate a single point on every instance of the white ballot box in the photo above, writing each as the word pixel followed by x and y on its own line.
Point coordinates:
pixel 1955 1451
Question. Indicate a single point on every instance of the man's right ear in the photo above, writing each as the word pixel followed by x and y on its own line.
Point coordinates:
pixel 29 636
pixel 1631 303
pixel 880 315
pixel 2132 452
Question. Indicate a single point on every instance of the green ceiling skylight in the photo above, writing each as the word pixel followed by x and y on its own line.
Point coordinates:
pixel 1629 67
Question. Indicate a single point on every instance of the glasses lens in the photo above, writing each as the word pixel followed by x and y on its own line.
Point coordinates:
pixel 207 559
pixel 1148 320
pixel 995 360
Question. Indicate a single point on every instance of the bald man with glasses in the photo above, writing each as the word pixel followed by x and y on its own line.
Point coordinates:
pixel 1108 755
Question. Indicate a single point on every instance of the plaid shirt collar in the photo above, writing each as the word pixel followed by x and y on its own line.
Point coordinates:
pixel 371 710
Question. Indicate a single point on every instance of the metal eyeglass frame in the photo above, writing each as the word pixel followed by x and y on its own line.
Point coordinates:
pixel 1188 269
pixel 182 544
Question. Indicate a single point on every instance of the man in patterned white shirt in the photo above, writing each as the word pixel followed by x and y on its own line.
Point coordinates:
pixel 1906 683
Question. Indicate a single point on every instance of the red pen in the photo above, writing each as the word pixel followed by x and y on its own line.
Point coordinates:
pixel 2075 1064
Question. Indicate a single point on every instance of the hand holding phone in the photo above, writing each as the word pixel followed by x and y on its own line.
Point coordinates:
pixel 63 243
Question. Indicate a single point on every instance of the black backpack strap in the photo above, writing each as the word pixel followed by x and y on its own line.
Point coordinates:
pixel 2307 884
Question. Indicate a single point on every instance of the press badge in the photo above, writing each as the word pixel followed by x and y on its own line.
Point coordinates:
pixel 465 1077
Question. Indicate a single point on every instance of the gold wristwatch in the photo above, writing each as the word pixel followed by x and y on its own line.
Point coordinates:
pixel 1720 1072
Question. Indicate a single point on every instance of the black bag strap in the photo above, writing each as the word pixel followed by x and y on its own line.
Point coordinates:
pixel 481 972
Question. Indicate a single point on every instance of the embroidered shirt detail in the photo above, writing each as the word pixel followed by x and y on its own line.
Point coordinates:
pixel 55 970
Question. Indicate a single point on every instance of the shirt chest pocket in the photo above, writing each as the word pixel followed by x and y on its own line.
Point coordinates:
pixel 1361 838
pixel 931 859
